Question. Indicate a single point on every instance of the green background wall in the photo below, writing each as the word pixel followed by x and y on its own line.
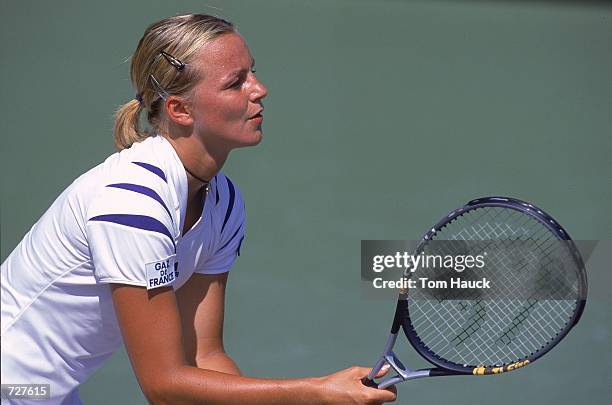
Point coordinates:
pixel 381 117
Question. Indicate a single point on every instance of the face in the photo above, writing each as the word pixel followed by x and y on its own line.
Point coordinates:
pixel 227 102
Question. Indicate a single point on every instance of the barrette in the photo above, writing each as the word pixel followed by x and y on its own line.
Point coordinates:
pixel 177 63
pixel 158 88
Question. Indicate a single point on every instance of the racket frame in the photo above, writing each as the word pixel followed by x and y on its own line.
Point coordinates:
pixel 445 367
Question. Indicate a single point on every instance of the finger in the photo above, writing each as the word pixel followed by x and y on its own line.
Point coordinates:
pixel 360 371
pixel 384 370
pixel 388 394
pixel 383 396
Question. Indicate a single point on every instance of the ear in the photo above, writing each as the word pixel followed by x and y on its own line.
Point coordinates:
pixel 179 110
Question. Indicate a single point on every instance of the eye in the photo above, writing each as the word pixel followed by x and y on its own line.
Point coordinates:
pixel 253 70
pixel 237 82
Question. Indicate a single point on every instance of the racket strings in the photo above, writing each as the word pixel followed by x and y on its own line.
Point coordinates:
pixel 529 262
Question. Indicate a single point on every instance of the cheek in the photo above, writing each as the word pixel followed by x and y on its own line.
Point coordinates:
pixel 235 107
pixel 226 110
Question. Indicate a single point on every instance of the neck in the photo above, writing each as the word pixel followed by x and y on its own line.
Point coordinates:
pixel 205 182
pixel 200 163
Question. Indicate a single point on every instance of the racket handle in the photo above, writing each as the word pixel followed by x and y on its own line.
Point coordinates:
pixel 369 383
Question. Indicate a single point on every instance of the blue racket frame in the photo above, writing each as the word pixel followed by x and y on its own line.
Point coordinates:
pixel 447 368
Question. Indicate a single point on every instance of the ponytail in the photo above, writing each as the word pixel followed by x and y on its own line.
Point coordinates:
pixel 127 125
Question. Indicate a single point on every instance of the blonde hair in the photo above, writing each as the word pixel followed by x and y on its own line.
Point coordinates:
pixel 154 75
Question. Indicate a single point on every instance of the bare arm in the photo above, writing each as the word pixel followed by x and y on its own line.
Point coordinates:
pixel 201 303
pixel 151 329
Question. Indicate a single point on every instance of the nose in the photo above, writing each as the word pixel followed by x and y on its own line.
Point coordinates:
pixel 258 91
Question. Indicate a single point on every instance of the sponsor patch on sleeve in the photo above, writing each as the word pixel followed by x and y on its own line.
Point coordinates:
pixel 161 273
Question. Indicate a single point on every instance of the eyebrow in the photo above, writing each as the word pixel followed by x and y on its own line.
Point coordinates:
pixel 238 71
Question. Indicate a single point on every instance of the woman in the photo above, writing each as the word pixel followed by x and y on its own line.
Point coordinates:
pixel 140 246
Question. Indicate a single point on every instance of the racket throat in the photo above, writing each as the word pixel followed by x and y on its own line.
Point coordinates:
pixel 389 357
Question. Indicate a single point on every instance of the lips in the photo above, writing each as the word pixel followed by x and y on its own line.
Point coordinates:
pixel 257 119
pixel 257 114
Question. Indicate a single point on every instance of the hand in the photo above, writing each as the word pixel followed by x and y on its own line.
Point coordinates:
pixel 345 387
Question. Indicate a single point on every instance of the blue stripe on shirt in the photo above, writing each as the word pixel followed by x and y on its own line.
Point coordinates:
pixel 230 239
pixel 230 205
pixel 136 221
pixel 153 169
pixel 239 246
pixel 137 188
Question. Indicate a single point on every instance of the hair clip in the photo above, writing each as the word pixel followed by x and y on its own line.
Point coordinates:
pixel 158 88
pixel 177 63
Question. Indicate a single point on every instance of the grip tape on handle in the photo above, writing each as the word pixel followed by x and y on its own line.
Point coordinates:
pixel 369 383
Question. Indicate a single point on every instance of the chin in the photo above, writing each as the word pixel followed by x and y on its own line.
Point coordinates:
pixel 252 140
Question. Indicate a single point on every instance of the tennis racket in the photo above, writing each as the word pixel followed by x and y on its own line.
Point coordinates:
pixel 543 293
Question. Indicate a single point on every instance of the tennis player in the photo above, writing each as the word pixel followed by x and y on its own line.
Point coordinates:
pixel 137 250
